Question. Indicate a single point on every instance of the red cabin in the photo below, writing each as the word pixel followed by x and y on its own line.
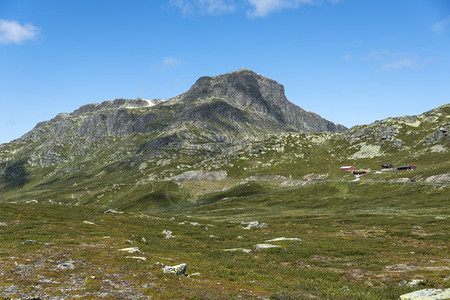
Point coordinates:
pixel 347 168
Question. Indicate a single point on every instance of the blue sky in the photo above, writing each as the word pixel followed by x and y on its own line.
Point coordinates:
pixel 351 61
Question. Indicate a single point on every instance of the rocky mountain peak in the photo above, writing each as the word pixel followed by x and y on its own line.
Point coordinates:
pixel 251 90
pixel 243 87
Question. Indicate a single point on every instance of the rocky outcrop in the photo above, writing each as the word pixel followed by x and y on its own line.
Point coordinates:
pixel 264 95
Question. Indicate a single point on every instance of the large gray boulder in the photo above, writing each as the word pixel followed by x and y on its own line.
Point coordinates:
pixel 179 270
pixel 427 294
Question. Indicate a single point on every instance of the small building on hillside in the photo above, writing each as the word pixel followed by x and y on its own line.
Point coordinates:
pixel 406 168
pixel 360 172
pixel 347 168
pixel 387 166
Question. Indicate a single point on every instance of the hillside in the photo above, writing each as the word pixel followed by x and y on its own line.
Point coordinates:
pixel 236 182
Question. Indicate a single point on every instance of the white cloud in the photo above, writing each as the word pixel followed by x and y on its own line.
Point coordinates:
pixel 167 63
pixel 185 7
pixel 388 60
pixel 262 8
pixel 399 64
pixel 11 32
pixel 171 62
pixel 258 8
pixel 210 7
pixel 441 27
pixel 217 7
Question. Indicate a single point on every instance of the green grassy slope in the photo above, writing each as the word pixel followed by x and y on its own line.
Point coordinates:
pixel 358 241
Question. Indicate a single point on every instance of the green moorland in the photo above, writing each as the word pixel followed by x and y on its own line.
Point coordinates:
pixel 359 240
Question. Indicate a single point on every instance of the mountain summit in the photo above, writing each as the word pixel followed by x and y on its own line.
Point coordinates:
pixel 216 115
pixel 266 96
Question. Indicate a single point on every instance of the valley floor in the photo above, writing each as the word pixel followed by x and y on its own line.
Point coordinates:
pixel 347 241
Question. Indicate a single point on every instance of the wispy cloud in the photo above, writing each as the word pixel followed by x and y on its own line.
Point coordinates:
pixel 172 62
pixel 210 7
pixel 442 26
pixel 253 8
pixel 262 8
pixel 168 63
pixel 347 57
pixel 399 64
pixel 388 60
pixel 11 32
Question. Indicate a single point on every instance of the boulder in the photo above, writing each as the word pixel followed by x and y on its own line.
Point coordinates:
pixel 88 223
pixel 265 246
pixel 254 224
pixel 168 234
pixel 130 250
pixel 238 249
pixel 137 258
pixel 427 294
pixel 30 242
pixel 283 239
pixel 66 266
pixel 112 211
pixel 179 270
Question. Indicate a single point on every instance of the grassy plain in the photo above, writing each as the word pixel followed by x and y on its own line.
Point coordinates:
pixel 359 240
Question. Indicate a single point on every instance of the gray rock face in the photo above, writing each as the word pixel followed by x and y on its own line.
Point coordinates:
pixel 438 136
pixel 251 90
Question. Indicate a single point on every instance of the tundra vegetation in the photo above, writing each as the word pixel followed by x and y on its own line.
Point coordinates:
pixel 112 200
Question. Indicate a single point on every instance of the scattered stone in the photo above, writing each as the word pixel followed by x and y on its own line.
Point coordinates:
pixel 194 274
pixel 2 224
pixel 31 201
pixel 89 223
pixel 440 218
pixel 427 294
pixel 30 242
pixel 182 223
pixel 439 178
pixel 403 179
pixel 130 250
pixel 106 237
pixel 265 246
pixel 168 234
pixel 412 283
pixel 144 240
pixel 417 228
pixel 238 249
pixel 113 211
pixel 49 244
pixel 172 219
pixel 240 237
pixel 66 266
pixel 194 223
pixel 137 257
pixel 179 270
pixel 212 236
pixel 129 242
pixel 284 239
pixel 254 224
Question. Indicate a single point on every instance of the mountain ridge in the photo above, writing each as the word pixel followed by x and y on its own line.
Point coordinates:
pixel 210 128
